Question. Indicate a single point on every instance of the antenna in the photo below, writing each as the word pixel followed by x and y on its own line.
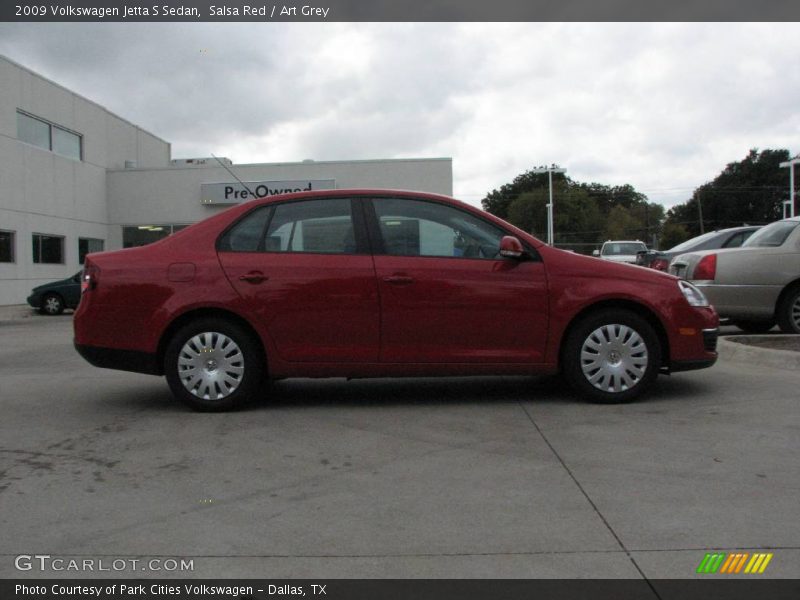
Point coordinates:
pixel 242 183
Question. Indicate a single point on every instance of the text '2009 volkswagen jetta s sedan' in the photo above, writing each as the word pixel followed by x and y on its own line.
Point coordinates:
pixel 377 283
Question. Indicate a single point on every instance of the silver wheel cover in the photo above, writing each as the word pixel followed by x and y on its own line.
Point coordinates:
pixel 52 304
pixel 614 358
pixel 210 365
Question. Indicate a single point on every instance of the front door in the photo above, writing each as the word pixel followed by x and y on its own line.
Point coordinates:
pixel 447 295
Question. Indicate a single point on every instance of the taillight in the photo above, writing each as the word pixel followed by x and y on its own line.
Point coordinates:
pixel 706 269
pixel 660 264
pixel 89 278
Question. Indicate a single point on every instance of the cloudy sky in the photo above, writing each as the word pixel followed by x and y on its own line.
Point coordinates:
pixel 661 106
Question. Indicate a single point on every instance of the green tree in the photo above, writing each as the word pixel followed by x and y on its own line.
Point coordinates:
pixel 672 235
pixel 622 224
pixel 497 201
pixel 583 211
pixel 750 191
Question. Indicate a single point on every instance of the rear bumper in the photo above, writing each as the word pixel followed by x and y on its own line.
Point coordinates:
pixel 122 360
pixel 756 302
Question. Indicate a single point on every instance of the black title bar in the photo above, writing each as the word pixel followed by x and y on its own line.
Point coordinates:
pixel 713 587
pixel 394 10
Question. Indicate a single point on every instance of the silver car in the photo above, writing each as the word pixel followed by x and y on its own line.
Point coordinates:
pixel 754 286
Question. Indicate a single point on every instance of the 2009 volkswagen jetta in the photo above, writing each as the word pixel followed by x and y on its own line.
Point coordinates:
pixel 377 283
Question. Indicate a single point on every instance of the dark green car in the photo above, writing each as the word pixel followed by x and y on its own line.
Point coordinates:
pixel 53 298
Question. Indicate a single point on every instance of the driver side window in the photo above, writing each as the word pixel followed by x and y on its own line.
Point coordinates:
pixel 420 228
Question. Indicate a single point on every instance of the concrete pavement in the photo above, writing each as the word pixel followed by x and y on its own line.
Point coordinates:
pixel 472 477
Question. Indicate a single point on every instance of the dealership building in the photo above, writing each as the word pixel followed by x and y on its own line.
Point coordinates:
pixel 76 178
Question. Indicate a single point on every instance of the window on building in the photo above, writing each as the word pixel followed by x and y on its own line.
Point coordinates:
pixel 141 235
pixel 66 143
pixel 48 249
pixel 49 136
pixel 88 245
pixel 6 246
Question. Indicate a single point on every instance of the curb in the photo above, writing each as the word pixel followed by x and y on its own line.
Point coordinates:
pixel 736 348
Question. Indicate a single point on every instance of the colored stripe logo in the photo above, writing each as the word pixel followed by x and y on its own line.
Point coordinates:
pixel 734 562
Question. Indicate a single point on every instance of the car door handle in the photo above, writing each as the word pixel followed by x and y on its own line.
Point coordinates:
pixel 253 277
pixel 399 279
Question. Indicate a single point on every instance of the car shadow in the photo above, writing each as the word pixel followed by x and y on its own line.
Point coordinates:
pixel 376 393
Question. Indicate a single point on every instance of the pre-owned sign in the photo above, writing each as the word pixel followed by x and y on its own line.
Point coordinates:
pixel 234 193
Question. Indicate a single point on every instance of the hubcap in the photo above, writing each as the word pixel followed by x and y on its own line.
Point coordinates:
pixel 614 358
pixel 210 365
pixel 52 305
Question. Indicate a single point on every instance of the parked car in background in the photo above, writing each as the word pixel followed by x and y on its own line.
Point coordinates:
pixel 623 251
pixel 652 259
pixel 380 283
pixel 754 286
pixel 733 237
pixel 53 298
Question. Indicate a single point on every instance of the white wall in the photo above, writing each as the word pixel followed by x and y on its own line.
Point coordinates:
pixel 42 192
pixel 155 196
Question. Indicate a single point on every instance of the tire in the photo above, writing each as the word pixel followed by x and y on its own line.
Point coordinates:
pixel 213 364
pixel 52 305
pixel 628 356
pixel 754 326
pixel 788 313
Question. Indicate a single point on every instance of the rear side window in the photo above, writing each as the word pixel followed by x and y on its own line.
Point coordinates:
pixel 737 239
pixel 314 226
pixel 419 228
pixel 322 226
pixel 772 235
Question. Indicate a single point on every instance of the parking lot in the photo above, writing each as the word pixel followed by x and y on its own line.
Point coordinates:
pixel 471 477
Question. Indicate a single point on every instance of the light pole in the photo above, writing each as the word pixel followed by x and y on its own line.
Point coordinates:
pixel 550 170
pixel 790 164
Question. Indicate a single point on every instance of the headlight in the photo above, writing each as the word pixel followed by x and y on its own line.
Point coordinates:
pixel 692 294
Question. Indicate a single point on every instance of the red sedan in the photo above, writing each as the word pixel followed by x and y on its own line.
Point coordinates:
pixel 378 283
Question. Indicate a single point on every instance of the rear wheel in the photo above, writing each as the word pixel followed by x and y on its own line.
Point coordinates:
pixel 789 311
pixel 213 364
pixel 52 304
pixel 755 326
pixel 611 356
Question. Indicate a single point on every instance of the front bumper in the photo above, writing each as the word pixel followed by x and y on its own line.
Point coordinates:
pixel 34 301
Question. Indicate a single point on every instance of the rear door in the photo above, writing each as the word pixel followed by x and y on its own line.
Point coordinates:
pixel 446 294
pixel 305 269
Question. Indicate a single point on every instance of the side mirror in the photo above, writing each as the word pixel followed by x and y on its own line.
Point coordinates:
pixel 511 247
pixel 595 252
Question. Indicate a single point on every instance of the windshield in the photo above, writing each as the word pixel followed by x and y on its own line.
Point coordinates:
pixel 771 235
pixel 691 242
pixel 624 248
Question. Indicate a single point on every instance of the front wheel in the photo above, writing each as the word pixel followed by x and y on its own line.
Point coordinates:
pixel 52 305
pixel 611 356
pixel 213 364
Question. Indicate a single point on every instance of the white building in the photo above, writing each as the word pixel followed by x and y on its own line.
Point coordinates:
pixel 75 178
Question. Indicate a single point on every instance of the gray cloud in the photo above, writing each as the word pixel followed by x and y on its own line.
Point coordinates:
pixel 661 106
